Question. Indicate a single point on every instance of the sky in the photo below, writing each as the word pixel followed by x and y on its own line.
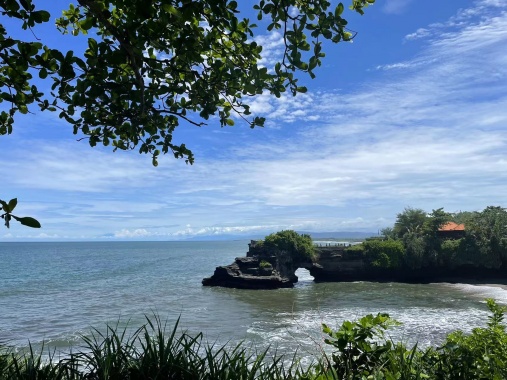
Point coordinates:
pixel 413 113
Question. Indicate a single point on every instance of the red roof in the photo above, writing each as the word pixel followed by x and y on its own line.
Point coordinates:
pixel 451 226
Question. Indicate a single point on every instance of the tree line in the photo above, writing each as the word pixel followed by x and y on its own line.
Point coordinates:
pixel 416 242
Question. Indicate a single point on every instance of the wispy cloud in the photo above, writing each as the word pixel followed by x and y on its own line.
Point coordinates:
pixel 482 11
pixel 75 167
pixel 406 65
pixel 419 33
pixel 272 48
pixel 424 132
pixel 396 6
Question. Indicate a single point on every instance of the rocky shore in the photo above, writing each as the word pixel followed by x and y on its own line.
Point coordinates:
pixel 263 269
pixel 273 269
pixel 260 269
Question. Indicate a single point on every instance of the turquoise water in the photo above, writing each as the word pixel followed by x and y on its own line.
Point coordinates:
pixel 55 292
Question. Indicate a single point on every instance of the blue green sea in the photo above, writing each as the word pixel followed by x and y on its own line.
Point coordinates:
pixel 57 292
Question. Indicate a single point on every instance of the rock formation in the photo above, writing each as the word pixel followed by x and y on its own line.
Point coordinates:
pixel 335 264
pixel 273 269
pixel 260 269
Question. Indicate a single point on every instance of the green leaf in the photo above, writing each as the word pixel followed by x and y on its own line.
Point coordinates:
pixel 41 16
pixel 87 23
pixel 12 204
pixel 25 4
pixel 106 85
pixel 5 206
pixel 171 9
pixel 339 10
pixel 27 221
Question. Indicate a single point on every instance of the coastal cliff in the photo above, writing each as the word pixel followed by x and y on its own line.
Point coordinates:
pixel 273 269
pixel 335 263
pixel 267 268
pixel 420 247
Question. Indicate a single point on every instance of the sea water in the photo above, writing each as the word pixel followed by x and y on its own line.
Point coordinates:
pixel 57 292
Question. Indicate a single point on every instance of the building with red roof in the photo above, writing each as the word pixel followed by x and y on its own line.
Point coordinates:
pixel 451 230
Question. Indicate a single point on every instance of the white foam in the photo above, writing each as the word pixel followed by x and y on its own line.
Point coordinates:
pixel 497 292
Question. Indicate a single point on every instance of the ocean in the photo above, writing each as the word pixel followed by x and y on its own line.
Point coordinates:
pixel 57 292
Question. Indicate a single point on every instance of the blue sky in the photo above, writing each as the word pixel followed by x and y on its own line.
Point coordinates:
pixel 412 113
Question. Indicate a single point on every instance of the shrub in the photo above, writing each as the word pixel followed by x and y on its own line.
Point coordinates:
pixel 450 251
pixel 360 346
pixel 265 264
pixel 383 254
pixel 415 250
pixel 151 352
pixel 360 351
pixel 356 249
pixel 479 355
pixel 300 247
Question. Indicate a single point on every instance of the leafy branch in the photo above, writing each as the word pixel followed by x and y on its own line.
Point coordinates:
pixel 151 65
pixel 7 216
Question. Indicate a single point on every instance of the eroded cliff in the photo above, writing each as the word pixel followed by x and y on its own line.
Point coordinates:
pixel 262 268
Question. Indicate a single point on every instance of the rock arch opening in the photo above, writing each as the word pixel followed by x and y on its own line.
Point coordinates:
pixel 303 275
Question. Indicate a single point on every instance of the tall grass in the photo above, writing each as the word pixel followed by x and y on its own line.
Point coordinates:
pixel 151 352
pixel 360 351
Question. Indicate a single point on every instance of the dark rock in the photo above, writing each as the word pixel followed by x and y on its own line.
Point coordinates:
pixel 334 264
pixel 260 269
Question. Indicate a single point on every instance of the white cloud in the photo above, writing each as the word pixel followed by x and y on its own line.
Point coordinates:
pixel 75 167
pixel 425 132
pixel 480 11
pixel 436 132
pixel 137 233
pixel 396 6
pixel 406 65
pixel 272 48
pixel 419 33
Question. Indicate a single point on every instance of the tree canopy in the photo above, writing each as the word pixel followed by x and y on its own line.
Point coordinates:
pixel 410 220
pixel 150 65
pixel 482 244
pixel 300 247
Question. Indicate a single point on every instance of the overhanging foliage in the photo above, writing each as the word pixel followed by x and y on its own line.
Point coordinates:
pixel 153 64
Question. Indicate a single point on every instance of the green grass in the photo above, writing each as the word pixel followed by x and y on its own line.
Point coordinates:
pixel 359 351
pixel 151 352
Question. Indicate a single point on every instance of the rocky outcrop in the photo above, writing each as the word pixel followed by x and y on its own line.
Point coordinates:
pixel 260 269
pixel 263 269
pixel 246 273
pixel 335 264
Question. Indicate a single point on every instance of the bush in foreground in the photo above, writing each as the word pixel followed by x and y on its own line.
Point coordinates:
pixel 360 351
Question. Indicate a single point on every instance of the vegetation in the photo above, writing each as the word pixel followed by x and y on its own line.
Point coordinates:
pixel 483 243
pixel 151 352
pixel 383 254
pixel 6 209
pixel 150 65
pixel 359 350
pixel 356 250
pixel 300 247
